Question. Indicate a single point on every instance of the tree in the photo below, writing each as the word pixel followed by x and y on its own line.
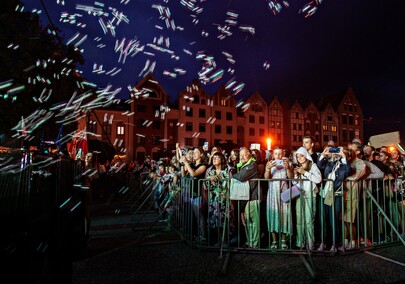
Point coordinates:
pixel 32 59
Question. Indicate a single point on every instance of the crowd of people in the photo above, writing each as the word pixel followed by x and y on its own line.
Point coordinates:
pixel 328 213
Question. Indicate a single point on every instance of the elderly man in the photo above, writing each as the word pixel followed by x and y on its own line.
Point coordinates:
pixel 246 171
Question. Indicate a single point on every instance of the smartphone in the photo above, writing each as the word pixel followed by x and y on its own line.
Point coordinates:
pixel 334 150
pixel 279 162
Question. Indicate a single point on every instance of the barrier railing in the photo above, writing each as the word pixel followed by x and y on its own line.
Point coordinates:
pixel 362 214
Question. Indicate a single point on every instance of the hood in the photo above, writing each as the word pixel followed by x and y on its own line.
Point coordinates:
pixel 304 152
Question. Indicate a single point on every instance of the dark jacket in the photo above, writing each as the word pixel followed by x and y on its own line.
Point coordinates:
pixel 246 172
pixel 340 174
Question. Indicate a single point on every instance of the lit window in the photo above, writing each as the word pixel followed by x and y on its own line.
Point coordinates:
pixel 120 130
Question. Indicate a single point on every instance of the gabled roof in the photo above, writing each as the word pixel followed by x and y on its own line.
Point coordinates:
pixel 333 100
pixel 149 82
pixel 256 96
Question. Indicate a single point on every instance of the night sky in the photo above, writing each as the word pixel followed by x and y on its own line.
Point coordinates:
pixel 286 53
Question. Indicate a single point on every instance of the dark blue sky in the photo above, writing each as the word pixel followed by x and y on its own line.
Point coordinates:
pixel 344 43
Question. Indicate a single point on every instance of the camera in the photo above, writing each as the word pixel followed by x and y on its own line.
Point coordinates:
pixel 334 150
pixel 279 162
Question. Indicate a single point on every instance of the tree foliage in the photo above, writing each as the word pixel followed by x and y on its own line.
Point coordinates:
pixel 37 65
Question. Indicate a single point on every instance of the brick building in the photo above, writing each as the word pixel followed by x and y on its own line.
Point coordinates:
pixel 148 123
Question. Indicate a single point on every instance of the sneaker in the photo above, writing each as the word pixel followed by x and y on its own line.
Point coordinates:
pixel 233 240
pixel 333 249
pixel 322 247
pixel 273 245
pixel 283 245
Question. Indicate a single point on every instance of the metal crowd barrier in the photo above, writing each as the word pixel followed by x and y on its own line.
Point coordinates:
pixel 42 217
pixel 376 218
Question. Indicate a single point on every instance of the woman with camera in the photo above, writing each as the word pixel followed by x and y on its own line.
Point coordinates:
pixel 278 213
pixel 336 169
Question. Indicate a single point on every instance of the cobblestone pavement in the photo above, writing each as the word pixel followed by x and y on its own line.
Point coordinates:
pixel 118 254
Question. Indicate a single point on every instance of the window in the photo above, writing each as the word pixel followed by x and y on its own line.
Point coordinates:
pixel 299 137
pixel 217 114
pixel 141 123
pixel 120 130
pixel 344 134
pixel 228 115
pixel 356 121
pixel 278 125
pixel 334 128
pixel 223 102
pixel 92 126
pixel 261 119
pixel 141 140
pixel 272 125
pixel 317 137
pixel 251 131
pixel 155 140
pixel 351 135
pixel 300 126
pixel 325 127
pixel 334 138
pixel 256 107
pixel 295 138
pixel 351 122
pixel 217 128
pixel 329 118
pixel 297 115
pixel 261 132
pixel 307 125
pixel 156 124
pixel 189 126
pixel 217 141
pixel 294 126
pixel 201 141
pixel 326 138
pixel 201 113
pixel 189 141
pixel 344 119
pixel 189 111
pixel 201 127
pixel 251 118
pixel 316 126
pixel 229 130
pixel 141 108
pixel 107 129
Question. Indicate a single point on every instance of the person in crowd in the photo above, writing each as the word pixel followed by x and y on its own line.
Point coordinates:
pixel 308 142
pixel 214 149
pixel 397 165
pixel 247 171
pixel 336 169
pixel 308 176
pixel 372 185
pixel 358 170
pixel 233 158
pixel 196 171
pixel 256 154
pixel 217 186
pixel 278 214
pixel 90 175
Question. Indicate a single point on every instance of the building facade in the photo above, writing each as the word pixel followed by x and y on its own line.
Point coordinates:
pixel 149 126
